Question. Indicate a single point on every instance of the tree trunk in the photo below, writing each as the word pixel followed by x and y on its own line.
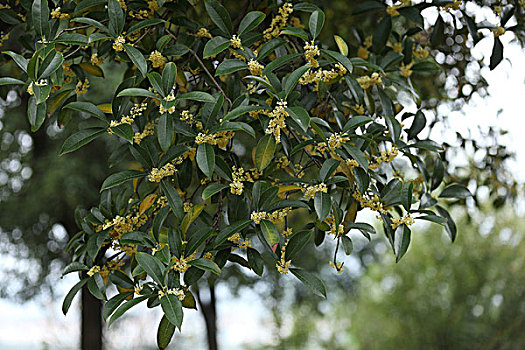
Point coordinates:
pixel 91 328
pixel 209 312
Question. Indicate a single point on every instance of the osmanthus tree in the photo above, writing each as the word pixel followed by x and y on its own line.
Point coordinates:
pixel 245 140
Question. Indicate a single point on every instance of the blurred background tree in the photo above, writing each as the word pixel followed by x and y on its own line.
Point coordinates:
pixel 466 295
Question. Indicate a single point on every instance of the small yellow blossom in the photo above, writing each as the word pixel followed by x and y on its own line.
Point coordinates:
pixel 338 266
pixel 398 47
pixel 156 59
pixel 255 68
pixel 369 81
pixel 57 14
pixel 283 266
pixel 277 123
pixel 310 191
pixel 95 269
pixel 498 31
pixel 96 60
pixel 407 220
pixel 311 50
pixel 181 264
pixel 203 33
pixel 82 87
pixel 158 174
pixel 363 52
pixel 118 44
pixel 405 69
pixel 236 42
pixel 278 22
pixel 148 130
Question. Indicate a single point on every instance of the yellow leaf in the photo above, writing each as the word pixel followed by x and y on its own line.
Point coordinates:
pixel 106 108
pixel 350 216
pixel 341 44
pixel 91 69
pixel 147 203
pixel 191 216
pixel 56 100
pixel 288 188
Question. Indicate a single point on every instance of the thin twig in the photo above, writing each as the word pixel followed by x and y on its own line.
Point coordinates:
pixel 308 153
pixel 207 72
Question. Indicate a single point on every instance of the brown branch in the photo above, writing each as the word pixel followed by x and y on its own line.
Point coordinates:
pixel 308 153
pixel 207 71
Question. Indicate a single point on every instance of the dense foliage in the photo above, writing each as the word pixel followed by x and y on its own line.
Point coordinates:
pixel 249 136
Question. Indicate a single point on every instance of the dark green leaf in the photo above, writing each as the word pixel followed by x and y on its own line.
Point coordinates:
pixel 172 308
pixel 251 21
pixel 230 230
pixel 40 15
pixel 215 46
pixel 169 74
pixel 229 66
pixel 120 178
pixel 116 18
pixel 401 241
pixel 206 159
pixel 264 152
pixel 81 138
pixel 312 282
pixel 293 79
pixel 316 23
pixel 71 294
pixel 455 191
pixel 165 131
pixel 173 198
pixel 164 333
pixel 381 34
pixel 212 189
pixel 497 54
pixel 125 307
pixel 219 15
pixel 322 204
pixel 137 58
pixel 328 168
pixel 270 232
pixel 153 266
pixel 206 265
pixel 87 107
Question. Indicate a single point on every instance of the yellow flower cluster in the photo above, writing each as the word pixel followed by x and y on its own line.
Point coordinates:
pixel 338 266
pixel 311 50
pixel 68 72
pixel 96 60
pixel 275 217
pixel 241 244
pixel 156 59
pixel 158 248
pixel 351 163
pixel 405 69
pixel 385 157
pixel 110 266
pixel 278 22
pixel 220 139
pixel 420 53
pixel 315 76
pixel 158 174
pixel 398 47
pixel 3 37
pixel 498 31
pixel 335 229
pixel 118 44
pixel 136 111
pixel 453 6
pixel 179 293
pixel 57 14
pixel 407 220
pixel 255 68
pixel 148 130
pixel 363 52
pixel 82 87
pixel 239 175
pixel 335 140
pixel 203 33
pixel 373 203
pixel 393 10
pixel 310 191
pixel 277 123
pixel 181 264
pixel 124 224
pixel 235 42
pixel 186 117
pixel 369 81
pixel 95 269
pixel 283 266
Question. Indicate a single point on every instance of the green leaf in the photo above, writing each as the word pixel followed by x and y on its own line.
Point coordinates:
pixel 125 307
pixel 437 37
pixel 417 125
pixel 96 287
pixel 341 45
pixel 153 266
pixel 264 151
pixel 156 82
pixel 401 241
pixel 241 110
pixel 293 79
pixel 255 261
pixel 206 159
pixel 71 294
pixel 455 191
pixel 312 282
pixel 169 74
pixel 41 94
pixel 137 58
pixel 251 21
pixel 206 265
pixel 328 168
pixel 280 62
pixel 297 242
pixel 125 131
pixel 219 15
pixel 450 225
pixel 270 232
pixel 215 46
pixel 497 53
pixel 120 178
pixel 381 34
pixel 120 279
pixel 164 333
pixel 116 18
pixel 348 246
pixel 19 60
pixel 230 230
pixel 298 32
pixel 72 39
pixel 32 65
pixel 358 155
pixel 172 308
pixel 212 189
pixel 165 131
pixel 87 107
pixel 137 92
pixel 412 13
pixel 173 198
pixel 40 15
pixel 198 96
pixel 229 66
pixel 322 204
pixel 36 113
pixel 81 138
pixel 91 22
pixel 316 23
pixel 114 303
pixel 52 62
pixel 143 24
pixel 356 121
pixel 300 116
pixel 74 267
